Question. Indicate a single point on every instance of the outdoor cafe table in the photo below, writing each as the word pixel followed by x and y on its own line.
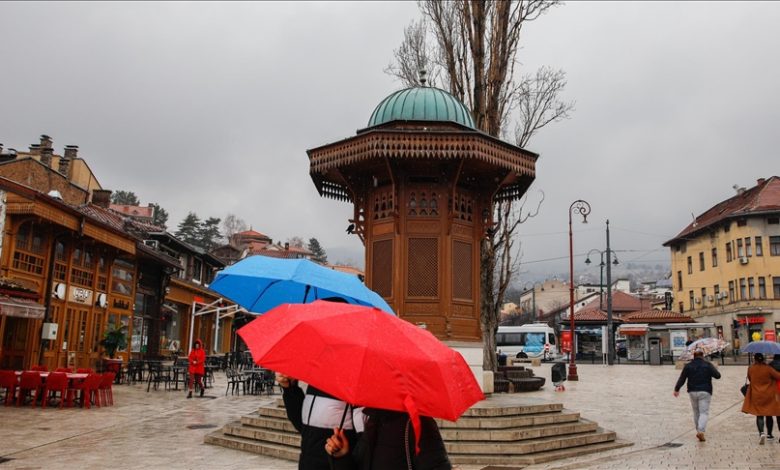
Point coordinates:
pixel 73 377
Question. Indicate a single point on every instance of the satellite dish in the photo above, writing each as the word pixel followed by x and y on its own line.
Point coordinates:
pixel 102 300
pixel 59 291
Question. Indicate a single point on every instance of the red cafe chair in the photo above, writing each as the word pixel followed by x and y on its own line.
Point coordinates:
pixel 84 370
pixel 89 390
pixel 55 382
pixel 29 383
pixel 40 368
pixel 106 388
pixel 9 382
pixel 67 370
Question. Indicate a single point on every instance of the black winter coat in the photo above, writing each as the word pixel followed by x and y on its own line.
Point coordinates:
pixel 699 374
pixel 388 444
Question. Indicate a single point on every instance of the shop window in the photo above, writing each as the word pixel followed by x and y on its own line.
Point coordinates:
pixel 122 275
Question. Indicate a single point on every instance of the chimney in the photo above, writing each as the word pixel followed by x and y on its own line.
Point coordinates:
pixel 46 141
pixel 46 154
pixel 760 181
pixel 101 197
pixel 71 151
pixel 286 246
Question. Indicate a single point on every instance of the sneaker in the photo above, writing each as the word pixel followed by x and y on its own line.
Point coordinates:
pixel 189 395
pixel 762 439
pixel 770 437
pixel 700 436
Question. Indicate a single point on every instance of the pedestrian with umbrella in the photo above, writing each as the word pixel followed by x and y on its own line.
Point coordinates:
pixel 367 357
pixel 261 283
pixel 761 397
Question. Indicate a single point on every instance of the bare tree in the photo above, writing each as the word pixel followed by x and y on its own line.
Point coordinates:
pixel 232 225
pixel 470 47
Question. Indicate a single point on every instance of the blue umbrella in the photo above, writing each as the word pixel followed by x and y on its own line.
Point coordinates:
pixel 764 347
pixel 260 283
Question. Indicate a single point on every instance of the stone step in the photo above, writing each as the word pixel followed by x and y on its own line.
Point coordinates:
pixel 258 421
pixel 484 409
pixel 521 434
pixel 536 458
pixel 292 439
pixel 256 447
pixel 272 412
pixel 504 422
pixel 530 446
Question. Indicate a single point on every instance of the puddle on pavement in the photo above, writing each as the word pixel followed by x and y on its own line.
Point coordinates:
pixel 201 426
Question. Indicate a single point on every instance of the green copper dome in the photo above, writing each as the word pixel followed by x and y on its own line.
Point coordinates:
pixel 421 104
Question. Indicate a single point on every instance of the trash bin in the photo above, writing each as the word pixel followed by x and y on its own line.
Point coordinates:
pixel 558 372
pixel 655 351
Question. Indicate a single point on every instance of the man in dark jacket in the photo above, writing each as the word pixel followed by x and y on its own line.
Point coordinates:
pixel 699 374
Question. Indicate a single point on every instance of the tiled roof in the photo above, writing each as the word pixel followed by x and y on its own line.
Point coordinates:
pixel 621 302
pixel 761 198
pixel 133 211
pixel 657 316
pixel 590 315
pixel 345 269
pixel 251 234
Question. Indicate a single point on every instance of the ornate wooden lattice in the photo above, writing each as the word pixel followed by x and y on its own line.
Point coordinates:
pixel 423 204
pixel 382 268
pixel 463 206
pixel 423 268
pixel 383 204
pixel 462 281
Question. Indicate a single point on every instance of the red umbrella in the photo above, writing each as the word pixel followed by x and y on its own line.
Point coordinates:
pixel 365 357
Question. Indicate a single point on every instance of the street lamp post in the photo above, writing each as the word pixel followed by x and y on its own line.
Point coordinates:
pixel 583 208
pixel 611 259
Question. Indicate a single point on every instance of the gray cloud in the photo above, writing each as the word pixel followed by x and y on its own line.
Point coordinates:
pixel 210 107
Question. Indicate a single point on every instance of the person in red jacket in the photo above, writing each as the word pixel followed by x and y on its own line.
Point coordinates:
pixel 197 366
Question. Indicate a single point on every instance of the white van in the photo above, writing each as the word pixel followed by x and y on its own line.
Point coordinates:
pixel 531 339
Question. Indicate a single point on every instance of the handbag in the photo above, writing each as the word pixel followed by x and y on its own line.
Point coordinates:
pixel 744 387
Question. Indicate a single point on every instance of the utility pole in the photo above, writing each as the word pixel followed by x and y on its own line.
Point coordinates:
pixel 611 344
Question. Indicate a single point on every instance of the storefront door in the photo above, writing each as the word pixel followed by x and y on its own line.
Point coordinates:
pixel 14 338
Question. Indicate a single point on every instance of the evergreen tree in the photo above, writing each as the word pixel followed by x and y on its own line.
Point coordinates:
pixel 189 229
pixel 209 234
pixel 318 253
pixel 160 217
pixel 125 197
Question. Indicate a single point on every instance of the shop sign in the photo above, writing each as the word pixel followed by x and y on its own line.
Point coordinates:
pixel 769 335
pixel 678 338
pixel 80 295
pixel 566 341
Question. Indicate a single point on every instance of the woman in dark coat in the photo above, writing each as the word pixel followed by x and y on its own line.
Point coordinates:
pixel 388 443
pixel 761 398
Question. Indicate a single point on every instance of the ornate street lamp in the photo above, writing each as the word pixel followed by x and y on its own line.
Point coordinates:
pixel 583 208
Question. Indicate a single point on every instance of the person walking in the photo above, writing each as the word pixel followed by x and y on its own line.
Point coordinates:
pixel 388 443
pixel 776 366
pixel 761 398
pixel 699 374
pixel 196 367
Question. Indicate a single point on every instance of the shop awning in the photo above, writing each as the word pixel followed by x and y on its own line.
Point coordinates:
pixel 18 307
pixel 633 329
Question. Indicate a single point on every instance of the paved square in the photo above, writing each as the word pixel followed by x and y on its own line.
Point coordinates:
pixel 162 429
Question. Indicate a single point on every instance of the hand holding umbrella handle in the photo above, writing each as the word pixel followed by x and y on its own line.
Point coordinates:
pixel 337 445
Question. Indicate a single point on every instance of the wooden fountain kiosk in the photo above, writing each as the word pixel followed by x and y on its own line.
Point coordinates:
pixel 422 180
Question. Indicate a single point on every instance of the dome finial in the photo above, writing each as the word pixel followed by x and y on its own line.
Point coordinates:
pixel 422 73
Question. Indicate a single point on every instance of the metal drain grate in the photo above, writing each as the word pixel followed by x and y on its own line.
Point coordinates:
pixel 201 426
pixel 671 445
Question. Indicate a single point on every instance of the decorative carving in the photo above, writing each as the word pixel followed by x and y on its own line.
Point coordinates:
pixel 461 230
pixel 382 228
pixel 463 310
pixel 423 268
pixel 422 309
pixel 418 226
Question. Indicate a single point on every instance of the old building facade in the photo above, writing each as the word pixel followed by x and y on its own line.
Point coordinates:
pixel 726 264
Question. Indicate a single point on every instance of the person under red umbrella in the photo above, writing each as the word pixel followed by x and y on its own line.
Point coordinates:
pixel 197 367
pixel 388 442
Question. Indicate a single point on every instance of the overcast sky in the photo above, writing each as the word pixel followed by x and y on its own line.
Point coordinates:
pixel 210 107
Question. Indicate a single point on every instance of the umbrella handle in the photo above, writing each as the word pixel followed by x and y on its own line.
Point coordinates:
pixel 344 416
